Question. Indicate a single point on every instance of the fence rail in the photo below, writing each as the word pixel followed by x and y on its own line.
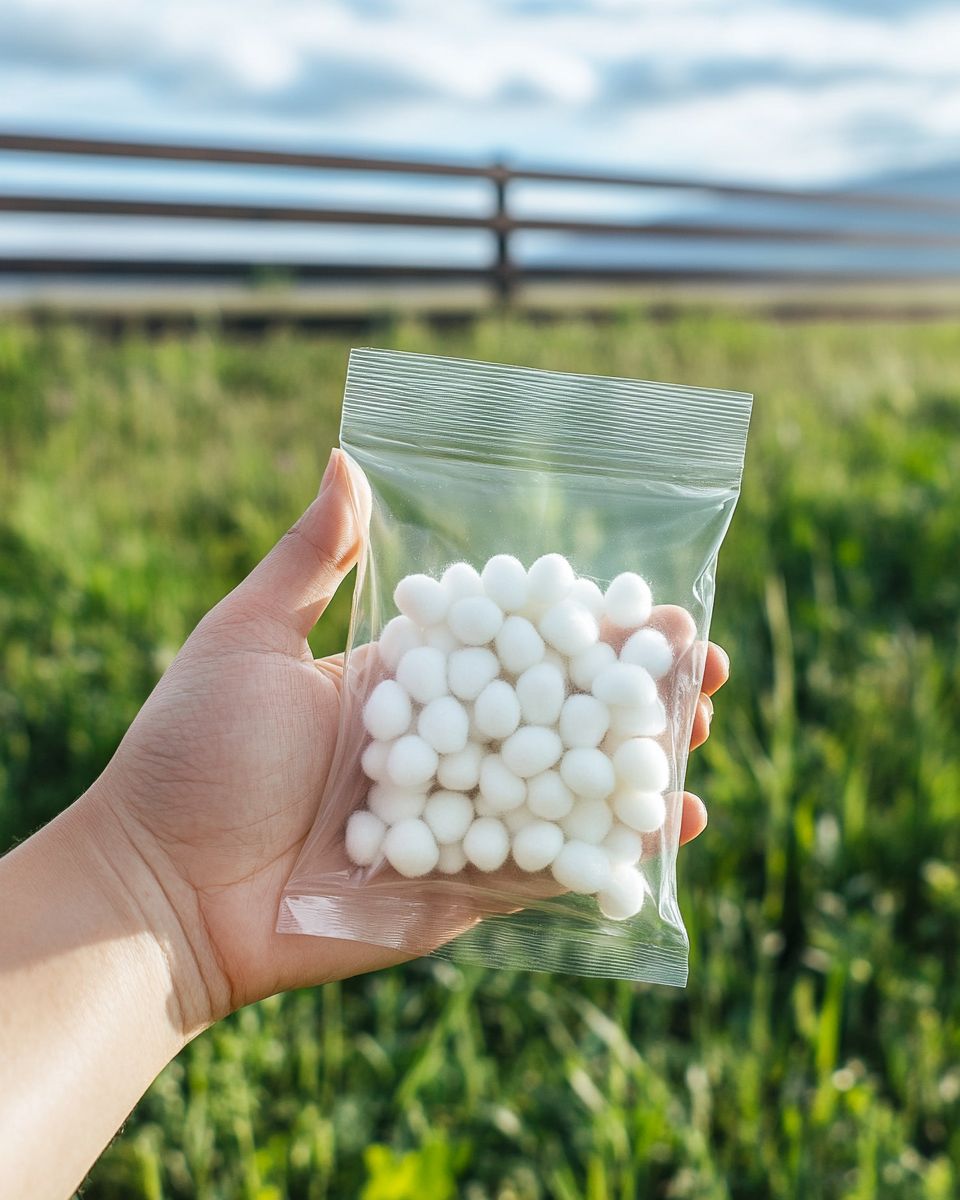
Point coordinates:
pixel 503 272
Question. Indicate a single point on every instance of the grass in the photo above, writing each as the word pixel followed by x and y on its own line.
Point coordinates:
pixel 816 1052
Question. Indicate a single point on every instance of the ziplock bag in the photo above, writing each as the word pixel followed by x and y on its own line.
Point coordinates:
pixel 526 649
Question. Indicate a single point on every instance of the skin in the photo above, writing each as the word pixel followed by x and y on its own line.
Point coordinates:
pixel 146 911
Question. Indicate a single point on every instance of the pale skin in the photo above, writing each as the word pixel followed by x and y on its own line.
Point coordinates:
pixel 146 911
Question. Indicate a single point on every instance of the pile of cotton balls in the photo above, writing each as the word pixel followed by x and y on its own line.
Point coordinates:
pixel 511 727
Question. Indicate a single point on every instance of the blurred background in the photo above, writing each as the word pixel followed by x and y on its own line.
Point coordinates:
pixel 202 206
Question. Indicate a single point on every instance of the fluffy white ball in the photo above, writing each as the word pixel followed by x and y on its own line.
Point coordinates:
pixel 364 838
pixel 584 721
pixel 449 815
pixel 517 818
pixel 374 760
pixel 548 796
pixel 519 645
pixel 643 811
pixel 586 593
pixel 497 710
pixel 623 685
pixel 475 620
pixel 470 670
pixel 585 667
pixel 487 843
pixel 648 648
pixel 540 691
pixel 391 803
pixel 460 772
pixel 648 721
pixel 588 821
pixel 444 724
pixel 623 845
pixel 423 673
pixel 398 636
pixel 410 848
pixel 582 868
pixel 531 750
pixel 536 845
pixel 411 761
pixel 422 599
pixel 549 580
pixel 641 764
pixel 452 859
pixel 588 773
pixel 569 628
pixel 623 896
pixel 440 638
pixel 387 713
pixel 628 601
pixel 499 786
pixel 505 582
pixel 460 580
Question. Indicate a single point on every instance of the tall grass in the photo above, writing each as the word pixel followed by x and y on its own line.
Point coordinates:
pixel 816 1052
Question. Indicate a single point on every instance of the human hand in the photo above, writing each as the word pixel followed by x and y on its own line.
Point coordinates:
pixel 218 780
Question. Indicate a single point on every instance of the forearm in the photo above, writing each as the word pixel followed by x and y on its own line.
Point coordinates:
pixel 90 1009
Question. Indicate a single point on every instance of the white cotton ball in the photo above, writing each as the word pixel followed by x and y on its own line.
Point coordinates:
pixel 569 628
pixel 585 667
pixel 475 620
pixel 470 670
pixel 460 580
pixel 623 896
pixel 588 821
pixel 422 599
pixel 641 763
pixel 519 645
pixel 392 804
pixel 586 593
pixel 505 582
pixel 487 843
pixel 444 724
pixel 397 637
pixel 387 713
pixel 531 750
pixel 628 601
pixel 648 648
pixel 410 848
pixel 548 796
pixel 501 789
pixel 374 760
pixel 588 773
pixel 440 638
pixel 452 859
pixel 483 808
pixel 423 673
pixel 497 710
pixel 536 845
pixel 643 811
pixel 449 815
pixel 580 867
pixel 411 761
pixel 541 691
pixel 549 580
pixel 517 818
pixel 623 845
pixel 460 772
pixel 552 659
pixel 648 721
pixel 364 837
pixel 623 685
pixel 584 721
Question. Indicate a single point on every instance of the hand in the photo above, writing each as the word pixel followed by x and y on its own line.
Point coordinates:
pixel 217 782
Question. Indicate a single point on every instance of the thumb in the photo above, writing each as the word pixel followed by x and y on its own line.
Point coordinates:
pixel 297 579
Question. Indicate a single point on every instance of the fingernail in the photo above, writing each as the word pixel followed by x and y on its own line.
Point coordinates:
pixel 331 471
pixel 726 660
pixel 708 708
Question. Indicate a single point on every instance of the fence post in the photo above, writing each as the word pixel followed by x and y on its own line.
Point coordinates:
pixel 502 268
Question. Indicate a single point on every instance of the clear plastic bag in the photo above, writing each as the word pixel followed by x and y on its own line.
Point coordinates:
pixel 468 461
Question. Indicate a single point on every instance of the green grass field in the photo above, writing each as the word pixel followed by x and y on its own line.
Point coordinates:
pixel 816 1052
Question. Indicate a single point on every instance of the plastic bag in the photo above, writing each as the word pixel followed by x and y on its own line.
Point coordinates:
pixel 469 462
